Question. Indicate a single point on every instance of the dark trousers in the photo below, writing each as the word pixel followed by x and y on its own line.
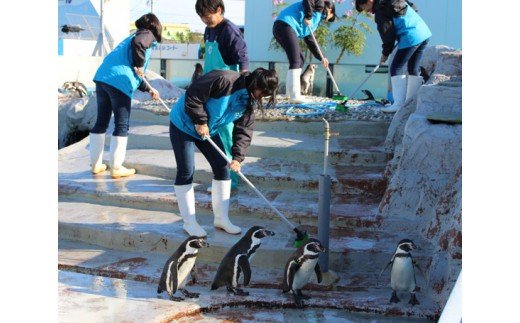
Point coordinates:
pixel 412 56
pixel 184 150
pixel 287 38
pixel 110 99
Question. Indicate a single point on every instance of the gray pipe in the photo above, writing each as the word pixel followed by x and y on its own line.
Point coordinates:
pixel 324 220
pixel 324 204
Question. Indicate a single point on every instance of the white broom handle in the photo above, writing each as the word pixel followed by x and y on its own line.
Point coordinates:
pixel 322 57
pixel 249 183
pixel 146 82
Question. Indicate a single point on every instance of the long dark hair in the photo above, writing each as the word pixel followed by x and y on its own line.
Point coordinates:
pixel 330 5
pixel 265 80
pixel 152 23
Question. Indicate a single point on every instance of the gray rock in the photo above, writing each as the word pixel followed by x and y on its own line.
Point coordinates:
pixel 425 173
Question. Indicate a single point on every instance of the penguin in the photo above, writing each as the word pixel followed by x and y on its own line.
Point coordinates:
pixel 307 80
pixel 177 268
pixel 237 259
pixel 299 269
pixel 75 87
pixel 370 96
pixel 402 276
pixel 71 29
pixel 196 73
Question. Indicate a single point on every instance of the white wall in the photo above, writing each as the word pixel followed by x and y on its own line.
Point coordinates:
pixel 78 68
pixel 444 17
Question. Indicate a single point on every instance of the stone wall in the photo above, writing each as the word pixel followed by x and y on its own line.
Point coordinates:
pixel 77 114
pixel 425 174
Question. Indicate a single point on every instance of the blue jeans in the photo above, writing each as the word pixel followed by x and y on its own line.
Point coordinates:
pixel 412 56
pixel 184 150
pixel 110 99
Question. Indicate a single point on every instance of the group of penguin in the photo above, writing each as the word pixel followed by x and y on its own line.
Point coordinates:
pixel 297 273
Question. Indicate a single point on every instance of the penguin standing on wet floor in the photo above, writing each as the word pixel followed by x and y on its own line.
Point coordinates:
pixel 299 269
pixel 237 259
pixel 402 276
pixel 179 266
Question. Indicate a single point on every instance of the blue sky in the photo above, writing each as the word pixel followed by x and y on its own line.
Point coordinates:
pixel 183 11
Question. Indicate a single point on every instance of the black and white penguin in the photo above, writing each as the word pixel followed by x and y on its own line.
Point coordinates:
pixel 237 259
pixel 402 276
pixel 179 266
pixel 299 269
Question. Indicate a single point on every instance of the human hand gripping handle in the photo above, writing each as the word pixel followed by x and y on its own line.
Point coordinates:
pixel 153 92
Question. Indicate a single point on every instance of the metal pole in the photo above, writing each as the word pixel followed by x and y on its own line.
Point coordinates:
pixel 324 204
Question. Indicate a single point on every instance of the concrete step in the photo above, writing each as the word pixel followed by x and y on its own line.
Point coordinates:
pixel 268 174
pixel 134 230
pixel 98 298
pixel 154 193
pixel 345 150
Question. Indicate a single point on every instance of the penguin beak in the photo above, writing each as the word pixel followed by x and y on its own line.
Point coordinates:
pixel 204 243
pixel 322 248
pixel 268 233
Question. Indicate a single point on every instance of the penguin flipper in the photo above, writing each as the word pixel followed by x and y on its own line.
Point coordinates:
pixel 293 268
pixel 317 270
pixel 194 276
pixel 389 263
pixel 173 280
pixel 243 262
pixel 416 265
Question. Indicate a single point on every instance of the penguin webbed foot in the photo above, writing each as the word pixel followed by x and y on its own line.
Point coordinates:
pixel 300 294
pixel 176 298
pixel 298 301
pixel 394 298
pixel 413 300
pixel 188 294
pixel 237 291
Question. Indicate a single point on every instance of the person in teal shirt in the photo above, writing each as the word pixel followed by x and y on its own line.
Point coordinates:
pixel 294 22
pixel 117 79
pixel 398 21
pixel 225 49
pixel 211 102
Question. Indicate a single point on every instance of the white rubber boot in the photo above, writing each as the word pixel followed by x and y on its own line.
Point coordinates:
pixel 220 193
pixel 414 83
pixel 294 86
pixel 117 156
pixel 97 145
pixel 399 93
pixel 186 200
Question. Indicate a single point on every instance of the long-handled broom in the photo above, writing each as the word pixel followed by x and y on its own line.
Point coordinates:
pixel 301 235
pixel 146 82
pixel 338 95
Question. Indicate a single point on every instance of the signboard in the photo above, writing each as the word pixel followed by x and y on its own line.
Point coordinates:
pixel 176 51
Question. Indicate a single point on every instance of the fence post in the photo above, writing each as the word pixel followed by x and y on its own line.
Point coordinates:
pixel 272 66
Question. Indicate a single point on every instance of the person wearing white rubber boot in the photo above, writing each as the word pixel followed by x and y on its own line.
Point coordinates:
pixel 97 146
pixel 398 20
pixel 296 21
pixel 116 82
pixel 117 156
pixel 210 102
pixel 399 83
pixel 186 201
pixel 220 194
pixel 414 83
